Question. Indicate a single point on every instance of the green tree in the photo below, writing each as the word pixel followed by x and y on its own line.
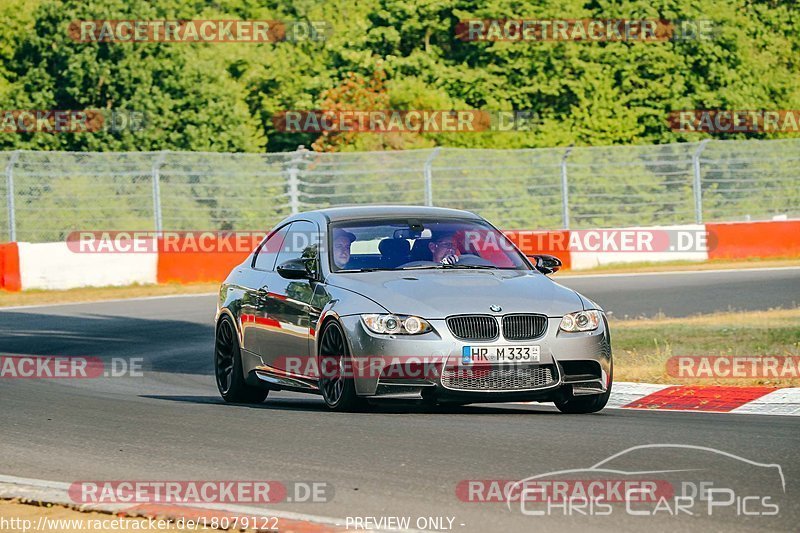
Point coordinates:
pixel 189 99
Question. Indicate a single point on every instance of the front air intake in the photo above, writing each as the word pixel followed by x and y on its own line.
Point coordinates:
pixel 474 327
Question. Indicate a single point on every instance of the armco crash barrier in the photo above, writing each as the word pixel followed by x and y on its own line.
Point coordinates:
pixel 55 266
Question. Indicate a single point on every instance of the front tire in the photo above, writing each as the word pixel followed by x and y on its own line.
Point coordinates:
pixel 228 367
pixel 581 405
pixel 339 389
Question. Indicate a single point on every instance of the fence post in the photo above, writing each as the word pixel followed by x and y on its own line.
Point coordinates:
pixel 156 175
pixel 565 190
pixel 428 173
pixel 697 185
pixel 12 220
pixel 293 181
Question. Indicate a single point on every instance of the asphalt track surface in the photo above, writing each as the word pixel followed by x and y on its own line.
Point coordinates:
pixel 679 294
pixel 399 459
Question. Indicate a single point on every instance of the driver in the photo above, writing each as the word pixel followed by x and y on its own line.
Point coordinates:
pixel 341 247
pixel 443 248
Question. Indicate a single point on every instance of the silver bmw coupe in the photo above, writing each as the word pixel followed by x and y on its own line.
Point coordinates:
pixel 359 303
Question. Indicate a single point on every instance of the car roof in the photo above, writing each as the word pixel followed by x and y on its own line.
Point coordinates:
pixel 334 214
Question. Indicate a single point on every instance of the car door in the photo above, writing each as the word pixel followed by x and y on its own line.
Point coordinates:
pixel 282 318
pixel 254 311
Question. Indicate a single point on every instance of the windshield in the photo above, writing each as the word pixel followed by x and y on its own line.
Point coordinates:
pixel 416 244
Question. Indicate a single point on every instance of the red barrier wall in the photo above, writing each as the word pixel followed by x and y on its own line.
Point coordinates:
pixel 190 259
pixel 9 267
pixel 178 262
pixel 740 240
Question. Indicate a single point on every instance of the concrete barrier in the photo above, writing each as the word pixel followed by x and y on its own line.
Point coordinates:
pixel 583 260
pixel 55 266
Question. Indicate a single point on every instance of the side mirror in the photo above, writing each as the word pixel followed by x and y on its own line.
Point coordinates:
pixel 546 264
pixel 294 269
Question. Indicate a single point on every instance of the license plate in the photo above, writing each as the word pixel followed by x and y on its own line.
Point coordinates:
pixel 500 354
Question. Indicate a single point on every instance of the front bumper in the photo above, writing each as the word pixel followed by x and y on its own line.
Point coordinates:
pixel 581 361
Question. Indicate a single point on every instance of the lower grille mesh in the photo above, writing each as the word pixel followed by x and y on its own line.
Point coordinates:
pixel 494 378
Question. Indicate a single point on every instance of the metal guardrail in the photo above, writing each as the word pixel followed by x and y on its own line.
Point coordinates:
pixel 50 194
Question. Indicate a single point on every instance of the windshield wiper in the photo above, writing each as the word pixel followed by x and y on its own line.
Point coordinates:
pixel 441 267
pixel 421 267
pixel 475 267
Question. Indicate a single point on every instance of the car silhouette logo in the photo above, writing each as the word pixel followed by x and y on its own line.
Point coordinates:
pixel 495 308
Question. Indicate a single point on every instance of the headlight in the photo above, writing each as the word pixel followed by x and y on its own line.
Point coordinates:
pixel 581 321
pixel 396 324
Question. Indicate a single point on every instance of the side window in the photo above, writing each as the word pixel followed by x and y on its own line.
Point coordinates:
pixel 302 241
pixel 268 253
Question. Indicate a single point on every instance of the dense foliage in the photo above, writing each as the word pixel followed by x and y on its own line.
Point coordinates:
pixel 398 54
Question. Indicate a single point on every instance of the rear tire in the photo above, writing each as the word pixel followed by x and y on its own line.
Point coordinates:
pixel 339 390
pixel 228 367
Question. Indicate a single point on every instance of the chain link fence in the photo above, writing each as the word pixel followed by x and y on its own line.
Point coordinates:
pixel 50 194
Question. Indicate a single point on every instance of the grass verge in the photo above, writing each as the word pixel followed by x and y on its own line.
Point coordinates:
pixel 642 347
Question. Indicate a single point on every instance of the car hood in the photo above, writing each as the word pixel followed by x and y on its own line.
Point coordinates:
pixel 436 294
